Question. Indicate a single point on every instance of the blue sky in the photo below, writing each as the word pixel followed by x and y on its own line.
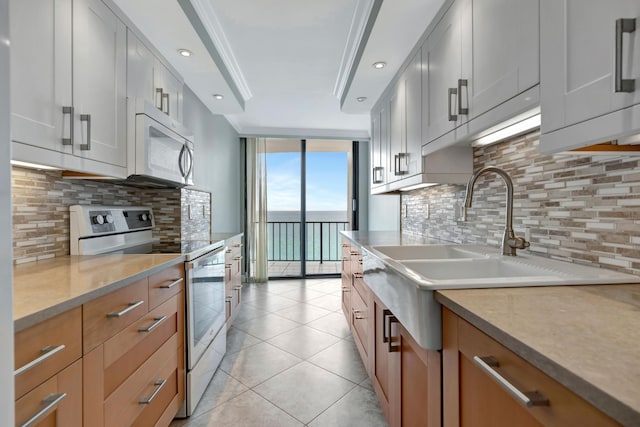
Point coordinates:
pixel 326 181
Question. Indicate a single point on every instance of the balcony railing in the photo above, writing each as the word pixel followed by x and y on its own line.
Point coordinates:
pixel 323 240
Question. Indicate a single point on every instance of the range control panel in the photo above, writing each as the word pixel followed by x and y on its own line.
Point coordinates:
pixel 91 220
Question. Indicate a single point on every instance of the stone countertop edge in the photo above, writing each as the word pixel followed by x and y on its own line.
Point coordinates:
pixel 603 401
pixel 54 310
pixel 226 236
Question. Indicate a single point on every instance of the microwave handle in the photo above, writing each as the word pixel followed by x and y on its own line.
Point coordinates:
pixel 180 157
pixel 190 162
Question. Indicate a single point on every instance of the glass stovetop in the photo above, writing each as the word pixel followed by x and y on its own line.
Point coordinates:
pixel 190 248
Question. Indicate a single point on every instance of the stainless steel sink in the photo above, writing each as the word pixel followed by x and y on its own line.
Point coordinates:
pixel 410 252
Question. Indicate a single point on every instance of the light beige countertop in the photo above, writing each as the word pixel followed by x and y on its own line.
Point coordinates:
pixel 44 289
pixel 585 337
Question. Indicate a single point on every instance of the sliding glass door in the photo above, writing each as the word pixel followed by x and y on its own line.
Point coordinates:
pixel 309 201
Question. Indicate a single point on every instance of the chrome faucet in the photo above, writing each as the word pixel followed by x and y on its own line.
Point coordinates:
pixel 509 242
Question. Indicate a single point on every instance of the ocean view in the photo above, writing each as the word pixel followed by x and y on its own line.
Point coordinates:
pixel 323 235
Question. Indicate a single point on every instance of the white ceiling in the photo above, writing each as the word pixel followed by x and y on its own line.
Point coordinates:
pixel 286 62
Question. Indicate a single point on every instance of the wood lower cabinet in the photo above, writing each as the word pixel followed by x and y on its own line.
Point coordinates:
pixel 48 380
pixel 472 395
pixel 405 376
pixel 135 374
pixel 233 277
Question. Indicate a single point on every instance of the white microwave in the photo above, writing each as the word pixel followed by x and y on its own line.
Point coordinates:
pixel 163 150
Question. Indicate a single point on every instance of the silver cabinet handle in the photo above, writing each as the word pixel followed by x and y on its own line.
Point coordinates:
pixel 49 403
pixel 159 98
pixel 147 400
pixel 151 327
pixel 377 175
pixel 46 353
pixel 388 319
pixel 165 96
pixel 132 306
pixel 623 25
pixel 237 288
pixel 462 83
pixel 69 111
pixel 229 298
pixel 528 398
pixel 452 92
pixel 172 284
pixel 358 275
pixel 86 118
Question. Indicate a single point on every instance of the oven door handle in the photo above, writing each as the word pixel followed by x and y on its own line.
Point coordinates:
pixel 190 265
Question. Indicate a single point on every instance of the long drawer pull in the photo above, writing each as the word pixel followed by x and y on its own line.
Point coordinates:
pixel 46 353
pixel 527 398
pixel 132 306
pixel 147 400
pixel 154 325
pixel 237 288
pixel 172 284
pixel 49 403
pixel 358 275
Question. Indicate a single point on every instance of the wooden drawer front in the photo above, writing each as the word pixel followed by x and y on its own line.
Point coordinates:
pixel 165 284
pixel 356 262
pixel 99 317
pixel 127 350
pixel 362 289
pixel 67 412
pixel 565 408
pixel 360 322
pixel 60 338
pixel 346 248
pixel 124 405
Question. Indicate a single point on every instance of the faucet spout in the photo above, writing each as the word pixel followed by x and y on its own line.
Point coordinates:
pixel 509 242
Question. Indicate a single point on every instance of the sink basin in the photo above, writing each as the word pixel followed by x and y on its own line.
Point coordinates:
pixel 419 252
pixel 474 269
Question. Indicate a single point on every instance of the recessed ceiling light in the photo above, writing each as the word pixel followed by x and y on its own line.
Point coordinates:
pixel 218 96
pixel 361 98
pixel 185 52
pixel 379 65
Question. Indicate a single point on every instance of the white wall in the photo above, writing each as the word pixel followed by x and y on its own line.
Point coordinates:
pixel 217 166
pixel 384 210
pixel 6 275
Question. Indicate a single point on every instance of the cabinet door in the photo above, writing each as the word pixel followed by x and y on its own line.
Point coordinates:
pixel 384 143
pixel 578 59
pixel 41 72
pixel 374 149
pixel 384 377
pixel 171 88
pixel 413 114
pixel 140 70
pixel 500 57
pixel 397 130
pixel 441 56
pixel 99 82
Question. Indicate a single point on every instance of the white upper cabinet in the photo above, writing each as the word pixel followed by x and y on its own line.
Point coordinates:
pixel 151 80
pixel 68 82
pixel 441 70
pixel 412 78
pixel 590 69
pixel 397 132
pixel 480 55
pixel 99 82
pixel 377 170
pixel 501 53
pixel 41 74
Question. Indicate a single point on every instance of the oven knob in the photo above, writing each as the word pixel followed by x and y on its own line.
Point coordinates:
pixel 109 219
pixel 98 219
pixel 144 217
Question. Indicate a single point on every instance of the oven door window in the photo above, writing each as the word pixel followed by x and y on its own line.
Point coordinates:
pixel 206 305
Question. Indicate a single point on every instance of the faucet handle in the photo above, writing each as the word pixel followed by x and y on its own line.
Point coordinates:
pixel 518 243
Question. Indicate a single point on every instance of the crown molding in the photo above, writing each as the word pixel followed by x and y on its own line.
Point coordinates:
pixel 209 18
pixel 269 132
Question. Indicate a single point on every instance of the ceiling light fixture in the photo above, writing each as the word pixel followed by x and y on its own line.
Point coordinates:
pixel 361 98
pixel 185 52
pixel 509 131
pixel 218 96
pixel 379 65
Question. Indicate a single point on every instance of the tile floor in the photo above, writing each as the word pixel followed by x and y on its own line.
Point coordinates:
pixel 290 361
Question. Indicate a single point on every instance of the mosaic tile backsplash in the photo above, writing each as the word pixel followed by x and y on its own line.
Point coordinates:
pixel 574 208
pixel 41 201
